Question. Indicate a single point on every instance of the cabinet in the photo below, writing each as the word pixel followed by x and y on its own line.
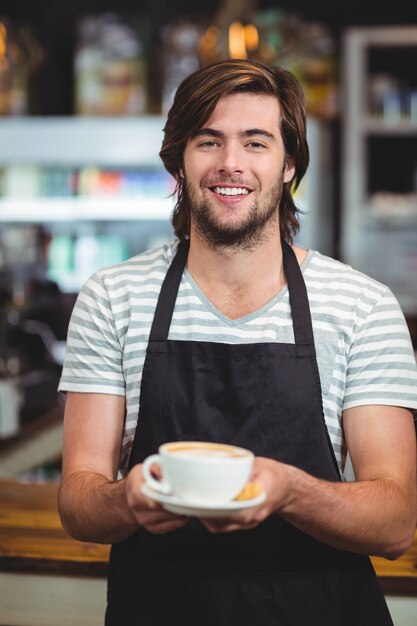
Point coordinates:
pixel 379 159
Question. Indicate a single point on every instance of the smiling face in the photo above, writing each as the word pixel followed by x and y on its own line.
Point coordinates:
pixel 234 169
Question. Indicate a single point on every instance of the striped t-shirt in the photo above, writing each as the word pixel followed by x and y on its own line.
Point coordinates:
pixel 363 346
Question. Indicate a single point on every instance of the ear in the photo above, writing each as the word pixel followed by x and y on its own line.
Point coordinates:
pixel 289 172
pixel 181 172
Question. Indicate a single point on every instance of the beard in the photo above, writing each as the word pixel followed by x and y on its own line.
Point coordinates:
pixel 247 234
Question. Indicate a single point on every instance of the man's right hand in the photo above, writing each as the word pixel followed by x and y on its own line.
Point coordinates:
pixel 147 512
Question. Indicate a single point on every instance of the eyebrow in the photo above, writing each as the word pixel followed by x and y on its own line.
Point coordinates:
pixel 251 132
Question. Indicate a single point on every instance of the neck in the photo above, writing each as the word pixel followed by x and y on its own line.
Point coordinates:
pixel 237 281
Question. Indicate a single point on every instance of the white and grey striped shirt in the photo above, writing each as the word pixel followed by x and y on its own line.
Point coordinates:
pixel 363 345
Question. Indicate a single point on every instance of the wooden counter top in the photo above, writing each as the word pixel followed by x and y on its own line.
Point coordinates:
pixel 32 540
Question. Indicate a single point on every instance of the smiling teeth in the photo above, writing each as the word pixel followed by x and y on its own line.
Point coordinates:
pixel 231 191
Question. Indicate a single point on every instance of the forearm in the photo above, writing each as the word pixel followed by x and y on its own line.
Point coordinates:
pixel 372 517
pixel 93 508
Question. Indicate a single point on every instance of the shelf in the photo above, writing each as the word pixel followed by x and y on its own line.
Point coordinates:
pixel 377 126
pixel 66 141
pixel 38 210
pixel 383 36
pixel 391 221
pixel 379 215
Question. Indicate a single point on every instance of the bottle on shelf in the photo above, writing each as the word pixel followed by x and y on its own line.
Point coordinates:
pixel 20 57
pixel 110 68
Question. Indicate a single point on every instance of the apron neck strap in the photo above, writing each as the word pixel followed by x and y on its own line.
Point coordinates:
pixel 168 294
pixel 303 330
pixel 300 308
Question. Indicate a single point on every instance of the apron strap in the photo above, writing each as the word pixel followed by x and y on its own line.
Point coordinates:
pixel 168 294
pixel 300 309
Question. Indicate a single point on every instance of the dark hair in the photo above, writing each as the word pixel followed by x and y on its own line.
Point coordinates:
pixel 194 103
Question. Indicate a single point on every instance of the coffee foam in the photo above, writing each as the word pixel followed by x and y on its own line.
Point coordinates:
pixel 206 450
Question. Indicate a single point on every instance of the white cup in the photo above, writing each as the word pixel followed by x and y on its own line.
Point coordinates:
pixel 200 472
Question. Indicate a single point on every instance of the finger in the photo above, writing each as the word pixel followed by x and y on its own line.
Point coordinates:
pixel 156 471
pixel 154 517
pixel 227 528
pixel 166 526
pixel 227 524
pixel 160 516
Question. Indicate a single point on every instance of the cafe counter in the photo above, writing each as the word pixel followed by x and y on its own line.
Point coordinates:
pixel 47 578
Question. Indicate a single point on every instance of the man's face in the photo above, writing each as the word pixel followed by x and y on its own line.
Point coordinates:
pixel 234 170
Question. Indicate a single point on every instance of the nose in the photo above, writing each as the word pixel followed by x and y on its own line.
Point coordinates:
pixel 231 160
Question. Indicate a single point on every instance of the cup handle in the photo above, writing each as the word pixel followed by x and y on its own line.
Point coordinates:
pixel 160 486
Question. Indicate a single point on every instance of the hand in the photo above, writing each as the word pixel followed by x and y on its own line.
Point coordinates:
pixel 274 480
pixel 147 512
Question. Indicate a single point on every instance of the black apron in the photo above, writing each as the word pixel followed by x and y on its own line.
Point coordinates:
pixel 266 397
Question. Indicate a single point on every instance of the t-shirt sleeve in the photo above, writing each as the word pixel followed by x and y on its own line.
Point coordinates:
pixel 382 365
pixel 93 361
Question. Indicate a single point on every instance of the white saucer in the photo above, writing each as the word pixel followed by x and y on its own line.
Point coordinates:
pixel 182 507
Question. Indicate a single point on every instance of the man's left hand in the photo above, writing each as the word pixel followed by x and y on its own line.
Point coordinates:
pixel 272 477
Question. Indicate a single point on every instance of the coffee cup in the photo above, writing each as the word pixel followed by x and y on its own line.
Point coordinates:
pixel 199 472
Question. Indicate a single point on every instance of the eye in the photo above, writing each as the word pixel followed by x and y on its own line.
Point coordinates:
pixel 209 143
pixel 256 145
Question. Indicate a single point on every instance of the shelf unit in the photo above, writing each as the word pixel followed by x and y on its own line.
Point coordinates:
pixel 66 141
pixel 42 210
pixel 379 215
pixel 108 227
pixel 77 142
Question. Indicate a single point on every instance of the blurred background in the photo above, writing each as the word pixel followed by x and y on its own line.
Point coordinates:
pixel 85 86
pixel 84 89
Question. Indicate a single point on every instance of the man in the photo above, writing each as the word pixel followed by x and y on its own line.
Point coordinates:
pixel 216 338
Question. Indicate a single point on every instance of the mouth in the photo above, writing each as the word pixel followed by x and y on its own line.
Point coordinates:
pixel 229 193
